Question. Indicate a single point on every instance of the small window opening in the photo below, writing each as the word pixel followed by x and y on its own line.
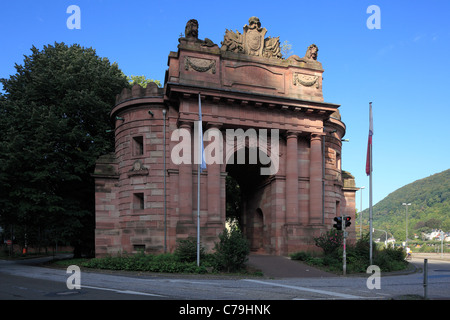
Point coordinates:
pixel 138 146
pixel 138 201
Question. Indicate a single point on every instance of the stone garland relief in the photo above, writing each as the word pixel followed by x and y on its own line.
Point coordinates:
pixel 306 80
pixel 200 65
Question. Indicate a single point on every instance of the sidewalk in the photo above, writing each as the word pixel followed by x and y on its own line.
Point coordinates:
pixel 431 256
pixel 283 267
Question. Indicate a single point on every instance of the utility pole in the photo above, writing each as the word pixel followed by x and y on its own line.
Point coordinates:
pixel 406 223
pixel 345 223
pixel 344 253
pixel 341 223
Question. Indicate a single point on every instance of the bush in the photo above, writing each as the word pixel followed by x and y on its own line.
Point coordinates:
pixel 301 255
pixel 186 250
pixel 362 246
pixel 167 263
pixel 231 254
pixel 389 259
pixel 330 241
pixel 232 251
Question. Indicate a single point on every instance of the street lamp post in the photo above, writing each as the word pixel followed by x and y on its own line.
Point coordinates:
pixel 406 238
pixel 385 241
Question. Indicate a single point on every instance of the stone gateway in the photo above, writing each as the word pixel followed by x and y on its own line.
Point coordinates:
pixel 146 198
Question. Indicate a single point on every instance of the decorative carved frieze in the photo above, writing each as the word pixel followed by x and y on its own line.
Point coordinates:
pixel 200 65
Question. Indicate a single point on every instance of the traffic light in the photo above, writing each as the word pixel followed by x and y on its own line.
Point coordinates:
pixel 338 224
pixel 347 221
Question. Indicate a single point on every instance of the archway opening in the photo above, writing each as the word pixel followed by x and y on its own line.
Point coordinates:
pixel 245 186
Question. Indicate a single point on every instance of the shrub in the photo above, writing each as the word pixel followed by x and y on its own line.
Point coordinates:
pixel 389 259
pixel 186 250
pixel 232 250
pixel 362 246
pixel 301 255
pixel 330 241
pixel 167 263
pixel 316 261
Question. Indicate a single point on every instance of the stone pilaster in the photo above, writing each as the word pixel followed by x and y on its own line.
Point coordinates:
pixel 185 182
pixel 292 214
pixel 214 188
pixel 315 180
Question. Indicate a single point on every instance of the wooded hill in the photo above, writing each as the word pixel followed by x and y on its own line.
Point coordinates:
pixel 429 209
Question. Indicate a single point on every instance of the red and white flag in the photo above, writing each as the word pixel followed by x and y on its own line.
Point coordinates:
pixel 369 144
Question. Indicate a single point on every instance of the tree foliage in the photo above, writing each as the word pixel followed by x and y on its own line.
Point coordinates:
pixel 55 116
pixel 430 205
pixel 142 81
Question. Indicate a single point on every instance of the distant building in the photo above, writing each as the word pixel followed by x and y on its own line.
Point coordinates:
pixel 436 234
pixel 391 241
pixel 146 192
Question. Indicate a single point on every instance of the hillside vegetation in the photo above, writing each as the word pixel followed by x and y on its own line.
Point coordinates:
pixel 429 209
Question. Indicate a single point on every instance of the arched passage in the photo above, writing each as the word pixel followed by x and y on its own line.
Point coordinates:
pixel 247 192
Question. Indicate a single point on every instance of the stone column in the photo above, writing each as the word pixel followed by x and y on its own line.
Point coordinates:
pixel 185 182
pixel 315 180
pixel 304 161
pixel 292 214
pixel 214 184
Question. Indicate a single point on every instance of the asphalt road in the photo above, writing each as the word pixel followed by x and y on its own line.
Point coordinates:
pixel 20 281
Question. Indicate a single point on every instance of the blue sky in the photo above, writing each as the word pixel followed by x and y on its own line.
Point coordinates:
pixel 402 68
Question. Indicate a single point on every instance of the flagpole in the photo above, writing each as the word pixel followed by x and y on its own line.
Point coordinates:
pixel 370 206
pixel 199 159
pixel 370 188
pixel 198 216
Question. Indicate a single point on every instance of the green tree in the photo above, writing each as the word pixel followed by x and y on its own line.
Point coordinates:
pixel 233 198
pixel 430 204
pixel 55 116
pixel 142 81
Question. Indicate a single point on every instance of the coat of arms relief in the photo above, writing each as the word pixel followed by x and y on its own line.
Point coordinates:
pixel 254 37
pixel 252 41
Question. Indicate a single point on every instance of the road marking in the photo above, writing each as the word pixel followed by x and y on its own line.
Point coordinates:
pixel 329 293
pixel 124 291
